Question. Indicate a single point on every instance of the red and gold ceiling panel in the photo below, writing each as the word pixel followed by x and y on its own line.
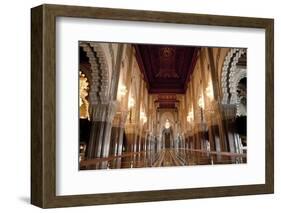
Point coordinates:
pixel 166 68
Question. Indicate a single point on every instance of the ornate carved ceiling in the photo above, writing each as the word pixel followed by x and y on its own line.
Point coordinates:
pixel 166 101
pixel 166 68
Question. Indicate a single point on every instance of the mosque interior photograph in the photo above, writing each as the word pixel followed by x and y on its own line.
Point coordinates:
pixel 156 105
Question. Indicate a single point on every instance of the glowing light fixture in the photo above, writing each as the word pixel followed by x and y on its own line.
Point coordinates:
pixel 83 102
pixel 201 103
pixel 122 90
pixel 143 117
pixel 131 102
pixel 190 116
pixel 167 124
pixel 209 91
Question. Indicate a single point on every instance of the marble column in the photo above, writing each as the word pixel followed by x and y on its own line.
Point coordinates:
pixel 211 129
pixel 114 139
pixel 222 111
pixel 117 139
pixel 123 118
pixel 130 136
pixel 102 115
pixel 216 135
pixel 95 142
pixel 229 111
pixel 111 109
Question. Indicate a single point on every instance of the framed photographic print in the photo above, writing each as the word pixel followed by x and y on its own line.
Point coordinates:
pixel 137 106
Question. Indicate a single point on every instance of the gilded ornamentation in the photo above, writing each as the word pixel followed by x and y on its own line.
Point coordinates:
pixel 83 102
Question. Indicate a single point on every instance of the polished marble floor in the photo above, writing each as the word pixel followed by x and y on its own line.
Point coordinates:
pixel 164 158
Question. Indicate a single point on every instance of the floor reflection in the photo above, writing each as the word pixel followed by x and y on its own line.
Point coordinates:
pixel 164 158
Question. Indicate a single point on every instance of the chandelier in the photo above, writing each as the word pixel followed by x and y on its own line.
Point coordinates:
pixel 190 116
pixel 167 124
pixel 143 117
pixel 209 91
pixel 122 91
pixel 131 103
pixel 201 103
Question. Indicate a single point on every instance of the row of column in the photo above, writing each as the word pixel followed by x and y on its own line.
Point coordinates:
pixel 213 128
pixel 101 127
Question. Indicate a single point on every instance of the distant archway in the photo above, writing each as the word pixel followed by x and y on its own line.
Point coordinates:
pixel 167 138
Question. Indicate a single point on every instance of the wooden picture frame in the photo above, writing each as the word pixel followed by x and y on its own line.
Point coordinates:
pixel 43 105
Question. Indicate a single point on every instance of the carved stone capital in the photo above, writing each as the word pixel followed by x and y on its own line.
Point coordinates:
pixel 116 120
pixel 98 112
pixel 111 110
pixel 104 112
pixel 123 118
pixel 229 110
pixel 130 128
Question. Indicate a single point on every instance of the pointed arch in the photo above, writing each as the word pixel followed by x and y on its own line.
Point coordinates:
pixel 99 92
pixel 232 73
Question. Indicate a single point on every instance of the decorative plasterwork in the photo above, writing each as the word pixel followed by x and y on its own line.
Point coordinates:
pixel 100 82
pixel 235 74
pixel 231 75
pixel 104 112
pixel 225 73
pixel 119 119
pixel 239 74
